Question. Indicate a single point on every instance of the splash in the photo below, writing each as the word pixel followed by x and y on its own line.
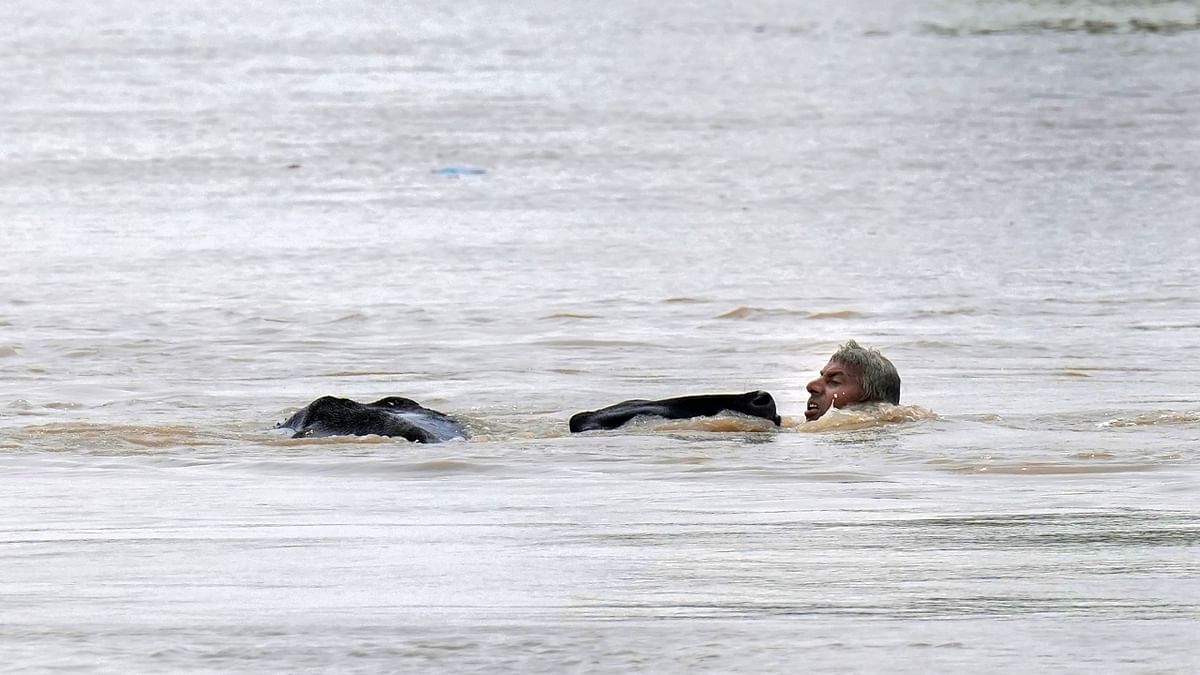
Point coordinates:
pixel 722 423
pixel 862 416
pixel 369 439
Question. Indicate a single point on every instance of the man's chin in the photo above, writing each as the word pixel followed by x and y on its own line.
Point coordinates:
pixel 813 414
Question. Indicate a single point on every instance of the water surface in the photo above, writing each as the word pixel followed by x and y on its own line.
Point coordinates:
pixel 214 215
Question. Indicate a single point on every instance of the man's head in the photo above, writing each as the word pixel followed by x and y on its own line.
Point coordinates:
pixel 854 374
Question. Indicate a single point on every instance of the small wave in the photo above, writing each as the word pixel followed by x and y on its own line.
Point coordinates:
pixel 1164 326
pixel 447 466
pixel 788 473
pixel 1094 454
pixel 1153 419
pixel 24 407
pixel 745 312
pixel 569 315
pixel 838 314
pixel 1047 468
pixel 1096 26
pixel 370 464
pixel 81 352
pixel 367 373
pixel 62 405
pixel 951 311
pixel 94 436
pixel 687 459
pixel 590 342
pixel 927 344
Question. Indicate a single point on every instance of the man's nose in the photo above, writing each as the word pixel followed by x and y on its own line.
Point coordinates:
pixel 814 387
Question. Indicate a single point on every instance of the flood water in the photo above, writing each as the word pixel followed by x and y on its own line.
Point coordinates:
pixel 214 213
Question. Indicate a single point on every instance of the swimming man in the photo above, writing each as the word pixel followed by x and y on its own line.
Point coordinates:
pixel 854 374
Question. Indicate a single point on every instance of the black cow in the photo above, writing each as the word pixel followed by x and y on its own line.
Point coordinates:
pixel 753 403
pixel 391 416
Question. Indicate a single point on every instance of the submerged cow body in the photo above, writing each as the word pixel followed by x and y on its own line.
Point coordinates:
pixel 405 418
pixel 391 416
pixel 753 403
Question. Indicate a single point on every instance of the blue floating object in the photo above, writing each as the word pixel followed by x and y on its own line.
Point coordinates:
pixel 459 171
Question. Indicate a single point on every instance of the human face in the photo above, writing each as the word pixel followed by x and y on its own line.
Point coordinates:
pixel 838 385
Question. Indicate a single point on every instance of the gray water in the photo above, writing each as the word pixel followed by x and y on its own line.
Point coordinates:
pixel 214 213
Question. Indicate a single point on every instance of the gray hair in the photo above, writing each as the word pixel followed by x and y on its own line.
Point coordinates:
pixel 879 379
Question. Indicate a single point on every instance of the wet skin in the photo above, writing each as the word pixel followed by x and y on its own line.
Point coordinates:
pixel 837 386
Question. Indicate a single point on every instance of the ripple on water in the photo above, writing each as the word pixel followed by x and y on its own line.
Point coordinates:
pixel 104 438
pixel 746 312
pixel 1158 418
pixel 373 466
pixel 1048 468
